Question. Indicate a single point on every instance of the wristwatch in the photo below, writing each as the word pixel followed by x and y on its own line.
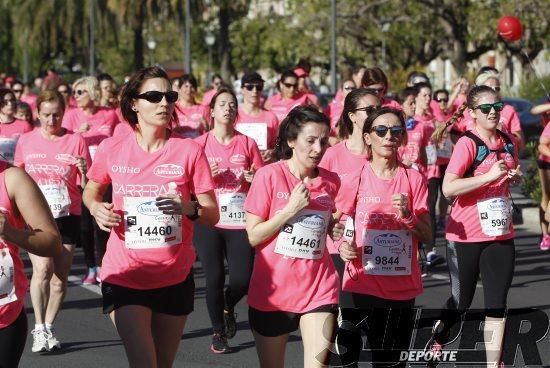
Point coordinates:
pixel 195 215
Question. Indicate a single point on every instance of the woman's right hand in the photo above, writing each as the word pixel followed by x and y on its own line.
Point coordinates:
pixel 104 215
pixel 214 169
pixel 348 252
pixel 299 198
pixel 498 170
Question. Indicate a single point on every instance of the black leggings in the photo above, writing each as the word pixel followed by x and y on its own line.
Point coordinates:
pixel 92 238
pixel 213 245
pixel 388 325
pixel 494 260
pixel 434 187
pixel 12 341
pixel 345 300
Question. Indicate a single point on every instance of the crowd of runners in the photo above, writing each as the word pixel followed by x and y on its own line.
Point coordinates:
pixel 323 216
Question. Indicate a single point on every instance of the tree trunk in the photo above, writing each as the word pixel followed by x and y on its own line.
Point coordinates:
pixel 226 67
pixel 459 56
pixel 137 28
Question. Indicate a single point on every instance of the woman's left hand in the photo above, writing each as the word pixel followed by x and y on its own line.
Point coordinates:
pixel 515 175
pixel 80 163
pixel 173 204
pixel 249 174
pixel 400 201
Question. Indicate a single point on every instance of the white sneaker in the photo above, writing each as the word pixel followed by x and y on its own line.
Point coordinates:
pixel 39 341
pixel 53 342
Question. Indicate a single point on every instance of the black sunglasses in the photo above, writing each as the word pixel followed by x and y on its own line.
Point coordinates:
pixel 156 96
pixel 290 85
pixel 486 108
pixel 441 99
pixel 251 86
pixel 376 90
pixel 368 109
pixel 382 130
pixel 349 88
pixel 17 90
pixel 78 92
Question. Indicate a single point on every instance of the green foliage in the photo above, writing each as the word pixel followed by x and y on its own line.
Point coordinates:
pixel 531 88
pixel 530 186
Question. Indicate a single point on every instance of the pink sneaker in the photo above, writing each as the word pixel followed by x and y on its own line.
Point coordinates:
pixel 90 278
pixel 545 243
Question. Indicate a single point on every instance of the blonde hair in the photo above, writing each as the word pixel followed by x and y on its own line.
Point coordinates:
pixel 484 77
pixel 91 84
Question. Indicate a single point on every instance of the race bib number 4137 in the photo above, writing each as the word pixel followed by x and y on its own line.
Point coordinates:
pixel 146 227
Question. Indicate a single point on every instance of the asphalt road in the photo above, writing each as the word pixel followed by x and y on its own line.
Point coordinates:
pixel 89 339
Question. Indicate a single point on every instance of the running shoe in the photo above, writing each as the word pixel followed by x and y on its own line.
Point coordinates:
pixel 90 277
pixel 53 342
pixel 39 341
pixel 230 318
pixel 434 259
pixel 219 344
pixel 435 344
pixel 545 243
pixel 97 278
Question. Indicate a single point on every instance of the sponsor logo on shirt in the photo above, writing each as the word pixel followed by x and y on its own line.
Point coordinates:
pixel 368 199
pixel 324 200
pixel 142 190
pixel 125 169
pixel 65 158
pixel 238 159
pixel 283 195
pixel 168 171
pixel 105 129
pixel 34 156
pixel 149 208
pixel 387 240
pixel 313 222
pixel 214 160
pixel 47 169
pixel 498 205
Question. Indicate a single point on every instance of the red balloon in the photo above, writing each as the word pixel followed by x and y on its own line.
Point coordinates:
pixel 510 28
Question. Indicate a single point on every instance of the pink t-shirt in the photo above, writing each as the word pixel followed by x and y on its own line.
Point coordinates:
pixel 282 283
pixel 281 107
pixel 208 96
pixel 334 112
pixel 545 134
pixel 102 125
pixel 368 199
pixel 439 114
pixel 341 161
pixel 245 123
pixel 388 102
pixel 432 169
pixel 417 140
pixel 179 167
pixel 464 223
pixel 123 129
pixel 508 123
pixel 9 135
pixel 190 120
pixel 240 154
pixel 13 281
pixel 51 163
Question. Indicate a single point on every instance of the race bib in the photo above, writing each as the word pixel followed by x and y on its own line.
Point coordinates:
pixel 446 149
pixel 304 236
pixel 7 274
pixel 495 215
pixel 57 196
pixel 256 131
pixel 231 207
pixel 431 154
pixel 387 252
pixel 92 150
pixel 146 227
pixel 7 148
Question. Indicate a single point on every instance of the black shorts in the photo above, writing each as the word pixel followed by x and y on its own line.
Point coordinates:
pixel 69 228
pixel 271 324
pixel 175 300
pixel 543 165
